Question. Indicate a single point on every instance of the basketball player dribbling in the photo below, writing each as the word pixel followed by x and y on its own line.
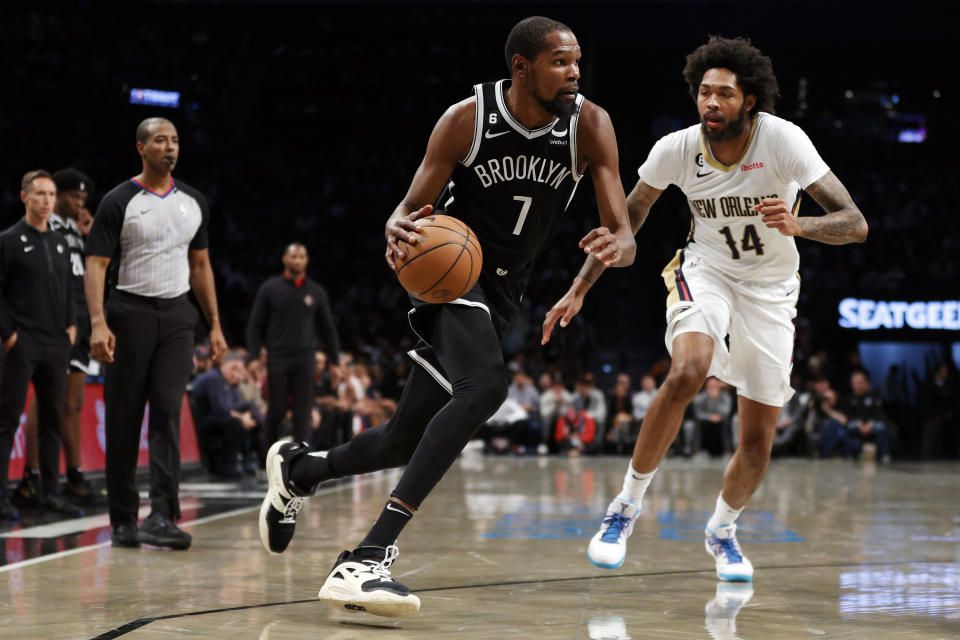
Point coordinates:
pixel 505 161
pixel 741 169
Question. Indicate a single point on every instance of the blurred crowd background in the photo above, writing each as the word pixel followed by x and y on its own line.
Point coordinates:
pixel 305 122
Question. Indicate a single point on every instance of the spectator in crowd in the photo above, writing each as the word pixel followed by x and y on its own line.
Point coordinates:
pixel 145 334
pixel 252 388
pixel 866 420
pixel 587 397
pixel 287 312
pixel 555 402
pixel 825 422
pixel 73 188
pixel 524 393
pixel 939 410
pixel 620 432
pixel 37 329
pixel 225 421
pixel 643 397
pixel 576 432
pixel 709 427
pixel 336 420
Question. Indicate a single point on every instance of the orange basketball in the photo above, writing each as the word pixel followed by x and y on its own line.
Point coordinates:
pixel 444 264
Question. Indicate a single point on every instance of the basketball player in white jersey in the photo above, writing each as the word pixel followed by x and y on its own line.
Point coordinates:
pixel 742 169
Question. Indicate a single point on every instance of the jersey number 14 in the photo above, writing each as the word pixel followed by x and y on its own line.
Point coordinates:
pixel 749 242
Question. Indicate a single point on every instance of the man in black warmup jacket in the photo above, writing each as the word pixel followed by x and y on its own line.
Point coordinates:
pixel 37 329
pixel 286 313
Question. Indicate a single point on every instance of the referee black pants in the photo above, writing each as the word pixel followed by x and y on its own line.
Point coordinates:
pixel 289 380
pixel 46 366
pixel 152 362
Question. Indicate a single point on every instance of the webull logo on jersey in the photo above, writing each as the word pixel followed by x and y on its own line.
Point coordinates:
pixel 509 168
pixel 727 206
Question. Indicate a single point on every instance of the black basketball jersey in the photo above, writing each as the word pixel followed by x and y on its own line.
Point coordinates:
pixel 514 183
pixel 75 241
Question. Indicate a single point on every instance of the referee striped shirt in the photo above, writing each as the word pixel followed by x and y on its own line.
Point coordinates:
pixel 149 234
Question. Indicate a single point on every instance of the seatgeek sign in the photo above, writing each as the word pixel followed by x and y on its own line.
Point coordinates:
pixel 869 315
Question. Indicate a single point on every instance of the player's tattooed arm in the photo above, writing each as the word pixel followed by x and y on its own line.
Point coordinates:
pixel 843 222
pixel 639 202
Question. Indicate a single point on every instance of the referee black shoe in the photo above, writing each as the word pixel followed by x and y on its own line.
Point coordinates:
pixel 124 535
pixel 278 513
pixel 158 530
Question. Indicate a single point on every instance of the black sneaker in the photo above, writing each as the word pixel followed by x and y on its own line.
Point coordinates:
pixel 360 582
pixel 125 535
pixel 7 510
pixel 158 530
pixel 80 491
pixel 27 493
pixel 59 504
pixel 278 513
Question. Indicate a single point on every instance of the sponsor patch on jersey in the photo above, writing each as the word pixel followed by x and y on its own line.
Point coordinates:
pixel 751 166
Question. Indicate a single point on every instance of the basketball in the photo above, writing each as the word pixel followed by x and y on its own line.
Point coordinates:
pixel 444 263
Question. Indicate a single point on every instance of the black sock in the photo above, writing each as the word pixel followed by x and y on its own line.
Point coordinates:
pixel 388 526
pixel 74 475
pixel 307 471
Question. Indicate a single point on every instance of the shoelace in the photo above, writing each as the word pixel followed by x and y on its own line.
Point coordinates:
pixel 615 524
pixel 290 510
pixel 729 548
pixel 382 569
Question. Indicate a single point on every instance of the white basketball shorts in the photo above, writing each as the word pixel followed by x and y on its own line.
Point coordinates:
pixel 756 316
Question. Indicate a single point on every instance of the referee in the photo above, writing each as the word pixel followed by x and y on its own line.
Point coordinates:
pixel 156 229
pixel 37 328
pixel 286 313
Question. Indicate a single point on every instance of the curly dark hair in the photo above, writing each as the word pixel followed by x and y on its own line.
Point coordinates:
pixel 754 70
pixel 528 37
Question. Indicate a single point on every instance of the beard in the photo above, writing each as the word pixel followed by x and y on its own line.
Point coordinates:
pixel 733 129
pixel 556 106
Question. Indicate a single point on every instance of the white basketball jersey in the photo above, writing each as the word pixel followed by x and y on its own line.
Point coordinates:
pixel 778 161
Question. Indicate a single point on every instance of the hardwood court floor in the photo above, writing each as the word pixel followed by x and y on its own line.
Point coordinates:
pixel 841 550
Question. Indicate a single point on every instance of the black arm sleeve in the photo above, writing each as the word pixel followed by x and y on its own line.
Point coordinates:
pixel 104 235
pixel 327 329
pixel 200 238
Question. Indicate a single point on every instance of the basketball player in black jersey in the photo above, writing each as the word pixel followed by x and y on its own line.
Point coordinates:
pixel 506 161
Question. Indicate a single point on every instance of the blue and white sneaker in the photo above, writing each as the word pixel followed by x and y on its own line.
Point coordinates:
pixel 608 547
pixel 732 565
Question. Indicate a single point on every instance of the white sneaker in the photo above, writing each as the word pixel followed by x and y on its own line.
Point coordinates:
pixel 732 565
pixel 608 547
pixel 278 511
pixel 360 582
pixel 721 613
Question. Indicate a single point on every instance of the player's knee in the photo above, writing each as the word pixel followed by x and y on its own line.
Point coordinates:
pixel 685 379
pixel 486 391
pixel 755 452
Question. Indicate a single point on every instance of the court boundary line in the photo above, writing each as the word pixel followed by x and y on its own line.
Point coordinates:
pixel 359 481
pixel 142 622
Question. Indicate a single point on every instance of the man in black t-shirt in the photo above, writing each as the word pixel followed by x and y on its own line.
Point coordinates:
pixel 286 314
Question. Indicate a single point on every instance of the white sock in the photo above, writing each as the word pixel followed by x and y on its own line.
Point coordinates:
pixel 723 516
pixel 635 485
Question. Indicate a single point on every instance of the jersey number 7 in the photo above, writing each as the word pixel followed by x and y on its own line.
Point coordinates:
pixel 527 201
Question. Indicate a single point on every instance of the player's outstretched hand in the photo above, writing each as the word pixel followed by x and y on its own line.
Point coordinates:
pixel 567 307
pixel 777 215
pixel 403 229
pixel 603 245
